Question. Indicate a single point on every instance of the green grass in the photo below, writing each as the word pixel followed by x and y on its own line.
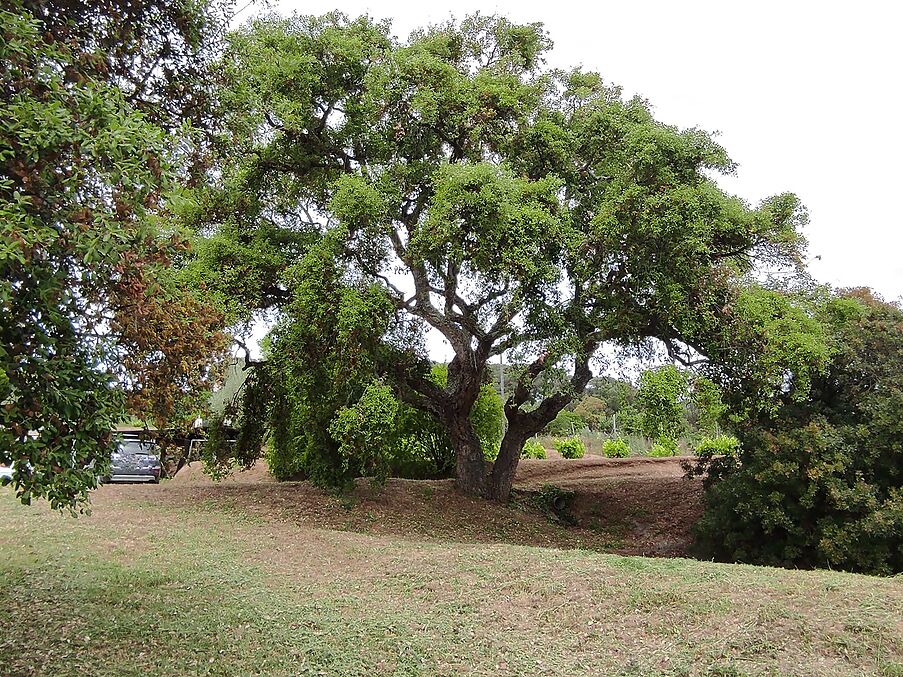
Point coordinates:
pixel 147 589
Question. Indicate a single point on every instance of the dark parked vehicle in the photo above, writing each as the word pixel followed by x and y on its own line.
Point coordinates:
pixel 135 461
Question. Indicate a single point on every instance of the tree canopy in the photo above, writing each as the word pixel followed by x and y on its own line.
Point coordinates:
pixel 508 207
pixel 90 318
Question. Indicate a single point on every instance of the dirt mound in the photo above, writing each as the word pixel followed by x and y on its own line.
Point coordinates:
pixel 630 506
pixel 561 472
pixel 531 473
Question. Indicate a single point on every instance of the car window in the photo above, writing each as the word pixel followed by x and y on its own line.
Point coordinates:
pixel 137 448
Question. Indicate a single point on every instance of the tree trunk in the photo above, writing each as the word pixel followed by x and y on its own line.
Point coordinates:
pixel 505 466
pixel 470 463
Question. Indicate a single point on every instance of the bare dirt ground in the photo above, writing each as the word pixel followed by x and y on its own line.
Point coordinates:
pixel 590 469
pixel 635 506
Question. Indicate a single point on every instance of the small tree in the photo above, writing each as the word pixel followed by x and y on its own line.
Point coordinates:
pixel 661 403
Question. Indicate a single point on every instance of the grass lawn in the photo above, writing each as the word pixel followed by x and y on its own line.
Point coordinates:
pixel 147 586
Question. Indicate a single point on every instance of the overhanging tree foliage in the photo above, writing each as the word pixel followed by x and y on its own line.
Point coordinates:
pixel 507 207
pixel 89 316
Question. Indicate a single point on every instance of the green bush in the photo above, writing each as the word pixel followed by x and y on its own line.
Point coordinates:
pixel 533 449
pixel 720 445
pixel 818 474
pixel 664 446
pixel 616 448
pixel 629 421
pixel 566 423
pixel 570 447
pixel 363 432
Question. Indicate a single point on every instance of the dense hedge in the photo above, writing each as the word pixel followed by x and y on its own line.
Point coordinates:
pixel 533 449
pixel 616 448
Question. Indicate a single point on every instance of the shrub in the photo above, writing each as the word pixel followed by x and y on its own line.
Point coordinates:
pixel 817 477
pixel 363 432
pixel 570 447
pixel 566 423
pixel 720 445
pixel 664 446
pixel 423 450
pixel 533 449
pixel 616 448
pixel 628 420
pixel 488 417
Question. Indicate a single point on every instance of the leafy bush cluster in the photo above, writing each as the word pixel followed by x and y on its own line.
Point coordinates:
pixel 818 478
pixel 668 405
pixel 570 447
pixel 617 448
pixel 533 449
pixel 719 445
pixel 663 447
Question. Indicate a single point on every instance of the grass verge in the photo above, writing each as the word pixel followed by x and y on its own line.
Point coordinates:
pixel 146 588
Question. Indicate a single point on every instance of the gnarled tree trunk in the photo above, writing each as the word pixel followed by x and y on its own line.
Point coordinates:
pixel 470 463
pixel 522 425
pixel 505 465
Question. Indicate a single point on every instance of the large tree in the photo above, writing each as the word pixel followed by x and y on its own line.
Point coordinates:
pixel 90 318
pixel 507 207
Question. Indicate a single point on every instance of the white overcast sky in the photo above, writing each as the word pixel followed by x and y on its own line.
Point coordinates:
pixel 807 97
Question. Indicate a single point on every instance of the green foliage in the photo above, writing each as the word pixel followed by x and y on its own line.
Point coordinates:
pixel 594 412
pixel 565 423
pixel 321 363
pixel 615 393
pixel 708 407
pixel 720 445
pixel 769 352
pixel 217 452
pixel 488 418
pixel 362 432
pixel 630 421
pixel 660 401
pixel 422 449
pixel 533 449
pixel 88 311
pixel 570 447
pixel 817 479
pixel 616 448
pixel 282 464
pixel 663 447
